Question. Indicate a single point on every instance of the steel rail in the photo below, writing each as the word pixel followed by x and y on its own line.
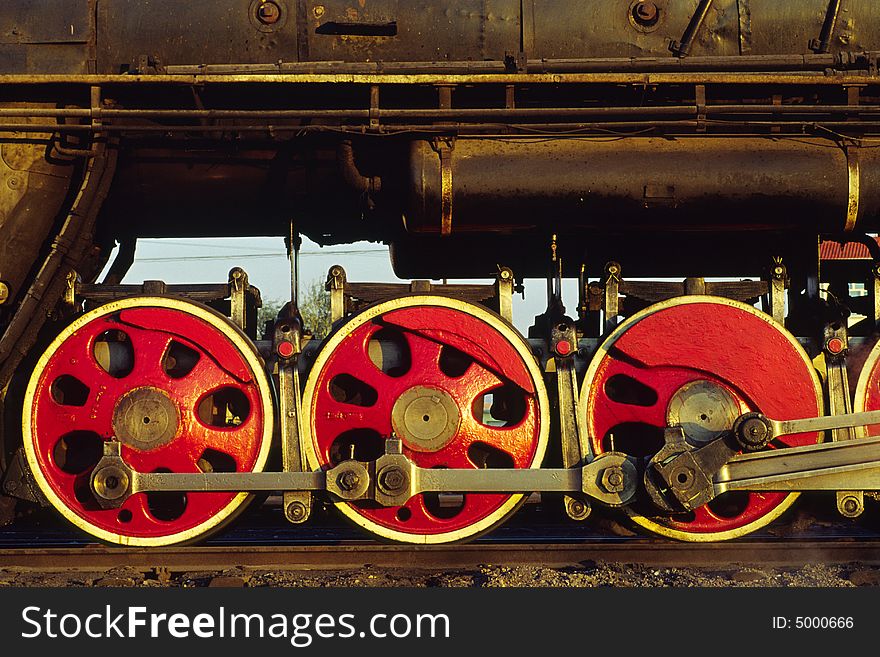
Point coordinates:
pixel 352 555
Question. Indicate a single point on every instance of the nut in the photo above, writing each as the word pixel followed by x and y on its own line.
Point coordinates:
pixel 296 512
pixel 645 14
pixel 577 509
pixel 851 507
pixel 613 479
pixel 392 479
pixel 110 483
pixel 268 13
pixel 348 480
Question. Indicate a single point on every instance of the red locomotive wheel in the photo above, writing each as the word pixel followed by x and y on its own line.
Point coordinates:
pixel 867 396
pixel 177 385
pixel 699 363
pixel 454 382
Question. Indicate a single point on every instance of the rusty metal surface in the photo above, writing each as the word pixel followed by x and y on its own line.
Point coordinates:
pixel 391 30
pixel 46 36
pixel 121 35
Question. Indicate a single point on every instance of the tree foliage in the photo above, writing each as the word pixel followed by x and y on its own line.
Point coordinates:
pixel 314 306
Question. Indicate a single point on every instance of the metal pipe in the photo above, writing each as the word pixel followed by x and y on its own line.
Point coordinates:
pixel 683 48
pixel 432 113
pixel 810 62
pixel 823 43
pixel 350 173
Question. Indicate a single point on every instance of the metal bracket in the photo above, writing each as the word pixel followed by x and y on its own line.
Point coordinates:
pixel 575 448
pixel 335 285
pixel 700 97
pixel 504 285
pixel 18 481
pixel 238 286
pixel 374 106
pixel 778 285
pixel 850 503
pixel 611 306
pixel 444 148
pixel 288 345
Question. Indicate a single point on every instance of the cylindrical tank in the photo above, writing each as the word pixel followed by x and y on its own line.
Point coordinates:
pixel 689 183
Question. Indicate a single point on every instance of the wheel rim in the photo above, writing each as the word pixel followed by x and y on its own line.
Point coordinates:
pixel 179 386
pixel 664 366
pixel 420 367
pixel 867 395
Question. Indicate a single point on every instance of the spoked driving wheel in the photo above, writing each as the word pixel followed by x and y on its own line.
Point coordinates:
pixel 455 383
pixel 699 363
pixel 181 389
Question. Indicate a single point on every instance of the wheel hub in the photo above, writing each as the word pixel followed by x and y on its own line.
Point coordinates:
pixel 145 418
pixel 426 418
pixel 703 409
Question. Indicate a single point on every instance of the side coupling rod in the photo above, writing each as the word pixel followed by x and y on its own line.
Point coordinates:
pixel 391 480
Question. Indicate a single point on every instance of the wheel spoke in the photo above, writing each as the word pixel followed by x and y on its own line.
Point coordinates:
pixel 475 382
pixel 509 440
pixel 352 416
pixel 149 349
pixel 425 354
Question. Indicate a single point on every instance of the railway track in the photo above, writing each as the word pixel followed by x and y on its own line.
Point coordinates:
pixel 261 544
pixel 779 553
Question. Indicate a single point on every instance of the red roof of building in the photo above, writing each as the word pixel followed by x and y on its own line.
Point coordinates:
pixel 848 251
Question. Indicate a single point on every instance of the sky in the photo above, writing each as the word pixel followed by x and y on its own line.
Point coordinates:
pixel 265 260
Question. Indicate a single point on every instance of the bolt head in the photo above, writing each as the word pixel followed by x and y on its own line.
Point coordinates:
pixel 577 509
pixel 392 479
pixel 268 13
pixel 851 506
pixel 754 432
pixel 296 511
pixel 348 480
pixel 613 479
pixel 647 11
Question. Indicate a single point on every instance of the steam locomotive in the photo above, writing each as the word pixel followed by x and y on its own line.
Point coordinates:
pixel 708 171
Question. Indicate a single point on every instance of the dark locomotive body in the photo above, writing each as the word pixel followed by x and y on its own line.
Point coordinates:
pixel 673 137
